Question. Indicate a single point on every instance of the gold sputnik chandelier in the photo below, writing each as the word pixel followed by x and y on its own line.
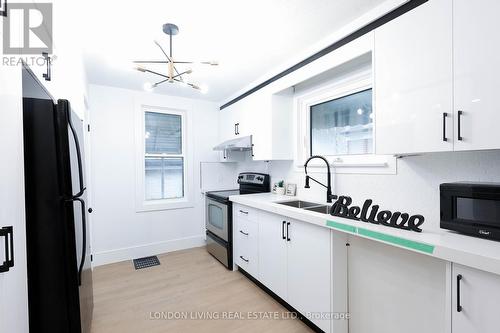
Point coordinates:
pixel 173 74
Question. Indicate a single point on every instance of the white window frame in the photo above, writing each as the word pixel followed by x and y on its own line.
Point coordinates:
pixel 362 164
pixel 162 204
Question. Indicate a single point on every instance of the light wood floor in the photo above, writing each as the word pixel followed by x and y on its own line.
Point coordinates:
pixel 189 281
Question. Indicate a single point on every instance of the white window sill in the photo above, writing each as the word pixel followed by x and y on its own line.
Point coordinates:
pixel 156 205
pixel 354 164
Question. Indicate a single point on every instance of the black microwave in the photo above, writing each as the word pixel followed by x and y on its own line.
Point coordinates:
pixel 471 208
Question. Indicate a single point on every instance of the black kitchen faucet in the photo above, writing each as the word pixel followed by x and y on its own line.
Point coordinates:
pixel 329 195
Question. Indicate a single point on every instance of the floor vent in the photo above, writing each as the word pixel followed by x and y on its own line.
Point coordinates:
pixel 146 262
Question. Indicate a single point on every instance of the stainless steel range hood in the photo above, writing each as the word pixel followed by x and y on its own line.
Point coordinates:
pixel 239 144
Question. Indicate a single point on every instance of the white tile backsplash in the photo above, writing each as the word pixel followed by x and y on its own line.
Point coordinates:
pixel 414 189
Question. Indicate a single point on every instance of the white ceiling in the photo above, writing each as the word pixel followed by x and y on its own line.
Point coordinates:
pixel 248 38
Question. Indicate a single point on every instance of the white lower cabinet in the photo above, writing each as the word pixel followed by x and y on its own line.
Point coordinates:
pixel 273 253
pixel 393 290
pixel 294 260
pixel 475 301
pixel 309 272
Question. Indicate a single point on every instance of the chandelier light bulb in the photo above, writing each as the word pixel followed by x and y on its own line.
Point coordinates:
pixel 148 86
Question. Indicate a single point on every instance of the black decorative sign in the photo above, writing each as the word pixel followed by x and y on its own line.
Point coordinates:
pixel 371 214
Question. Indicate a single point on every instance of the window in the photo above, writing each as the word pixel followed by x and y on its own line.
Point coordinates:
pixel 342 126
pixel 164 155
pixel 164 159
pixel 337 120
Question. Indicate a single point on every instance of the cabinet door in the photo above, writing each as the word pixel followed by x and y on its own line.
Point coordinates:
pixel 309 271
pixel 392 290
pixel 477 73
pixel 13 286
pixel 226 123
pixel 414 81
pixel 272 253
pixel 479 294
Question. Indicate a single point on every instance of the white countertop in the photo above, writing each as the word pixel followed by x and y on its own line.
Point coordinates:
pixel 465 250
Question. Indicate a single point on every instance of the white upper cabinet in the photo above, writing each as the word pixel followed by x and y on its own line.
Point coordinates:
pixel 414 81
pixel 267 117
pixel 477 73
pixel 475 301
pixel 227 123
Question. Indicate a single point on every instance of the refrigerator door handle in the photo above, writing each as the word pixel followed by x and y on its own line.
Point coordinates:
pixel 78 153
pixel 84 240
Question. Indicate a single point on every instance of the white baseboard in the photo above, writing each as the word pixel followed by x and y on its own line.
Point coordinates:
pixel 129 253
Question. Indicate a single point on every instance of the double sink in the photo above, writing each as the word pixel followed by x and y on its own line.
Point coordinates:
pixel 311 206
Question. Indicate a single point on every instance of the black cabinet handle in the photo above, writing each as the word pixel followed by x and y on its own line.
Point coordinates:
pixel 460 113
pixel 237 129
pixel 444 126
pixel 243 212
pixel 8 233
pixel 287 232
pixel 283 230
pixel 244 233
pixel 459 307
pixel 245 260
pixel 48 61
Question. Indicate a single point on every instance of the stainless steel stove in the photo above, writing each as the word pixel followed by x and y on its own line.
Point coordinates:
pixel 219 211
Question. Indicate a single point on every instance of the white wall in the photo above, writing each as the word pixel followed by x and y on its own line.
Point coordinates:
pixel 119 232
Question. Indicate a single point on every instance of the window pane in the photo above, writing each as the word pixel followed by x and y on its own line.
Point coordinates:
pixel 164 178
pixel 163 133
pixel 343 126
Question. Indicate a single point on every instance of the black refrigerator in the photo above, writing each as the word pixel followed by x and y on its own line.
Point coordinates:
pixel 60 293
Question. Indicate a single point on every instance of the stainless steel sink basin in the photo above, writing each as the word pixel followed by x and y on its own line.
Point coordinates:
pixel 299 204
pixel 319 209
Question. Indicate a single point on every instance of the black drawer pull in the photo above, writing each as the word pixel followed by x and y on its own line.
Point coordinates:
pixel 283 230
pixel 245 260
pixel 459 306
pixel 8 233
pixel 287 232
pixel 243 212
pixel 244 233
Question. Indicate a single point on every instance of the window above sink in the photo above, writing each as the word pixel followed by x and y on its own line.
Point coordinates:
pixel 335 119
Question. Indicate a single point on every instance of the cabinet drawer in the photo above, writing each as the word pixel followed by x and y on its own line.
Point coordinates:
pixel 244 212
pixel 247 230
pixel 247 257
